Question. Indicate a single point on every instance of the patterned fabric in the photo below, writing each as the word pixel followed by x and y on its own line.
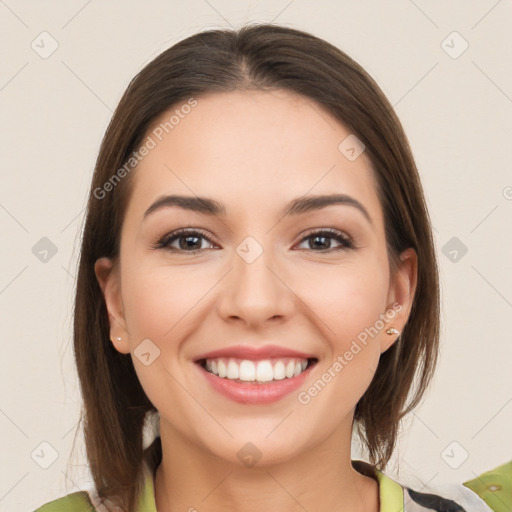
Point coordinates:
pixel 425 501
pixel 495 487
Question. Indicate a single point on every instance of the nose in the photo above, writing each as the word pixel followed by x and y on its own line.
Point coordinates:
pixel 255 293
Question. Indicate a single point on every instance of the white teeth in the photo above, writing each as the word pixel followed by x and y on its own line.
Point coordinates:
pixel 247 370
pixel 260 371
pixel 232 372
pixel 290 368
pixel 222 369
pixel 279 371
pixel 264 372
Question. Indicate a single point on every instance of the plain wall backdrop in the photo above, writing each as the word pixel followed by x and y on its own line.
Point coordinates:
pixel 445 66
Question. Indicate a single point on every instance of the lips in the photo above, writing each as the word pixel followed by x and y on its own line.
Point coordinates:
pixel 255 375
pixel 254 353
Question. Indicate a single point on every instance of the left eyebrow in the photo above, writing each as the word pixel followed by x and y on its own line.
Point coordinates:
pixel 310 203
pixel 297 206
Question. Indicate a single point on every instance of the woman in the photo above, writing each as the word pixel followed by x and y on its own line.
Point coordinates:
pixel 258 270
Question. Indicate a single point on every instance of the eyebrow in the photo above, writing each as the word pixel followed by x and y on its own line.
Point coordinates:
pixel 300 205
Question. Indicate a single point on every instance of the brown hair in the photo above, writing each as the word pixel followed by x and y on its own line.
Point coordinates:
pixel 253 57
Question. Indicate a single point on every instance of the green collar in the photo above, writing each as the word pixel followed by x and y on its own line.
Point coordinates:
pixel 391 493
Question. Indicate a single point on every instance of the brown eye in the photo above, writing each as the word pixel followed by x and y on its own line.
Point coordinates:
pixel 321 241
pixel 190 241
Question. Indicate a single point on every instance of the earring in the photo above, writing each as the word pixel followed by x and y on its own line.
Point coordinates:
pixel 392 331
pixel 117 338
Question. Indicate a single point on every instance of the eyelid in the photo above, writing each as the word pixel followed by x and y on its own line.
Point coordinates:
pixel 331 231
pixel 348 241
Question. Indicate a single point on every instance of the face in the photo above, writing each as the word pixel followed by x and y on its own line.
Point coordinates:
pixel 286 299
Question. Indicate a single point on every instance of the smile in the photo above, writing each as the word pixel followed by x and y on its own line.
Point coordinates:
pixel 250 375
pixel 246 370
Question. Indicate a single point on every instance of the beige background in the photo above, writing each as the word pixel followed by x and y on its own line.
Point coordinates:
pixel 456 112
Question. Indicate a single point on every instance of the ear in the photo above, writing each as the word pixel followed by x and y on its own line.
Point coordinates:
pixel 402 289
pixel 108 277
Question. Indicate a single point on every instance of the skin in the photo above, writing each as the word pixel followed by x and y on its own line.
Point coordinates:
pixel 254 152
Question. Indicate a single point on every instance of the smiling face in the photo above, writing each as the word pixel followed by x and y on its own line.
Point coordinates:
pixel 262 282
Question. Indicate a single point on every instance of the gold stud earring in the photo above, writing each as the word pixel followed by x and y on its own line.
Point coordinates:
pixel 392 331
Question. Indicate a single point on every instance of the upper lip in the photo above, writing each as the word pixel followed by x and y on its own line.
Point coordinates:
pixel 254 353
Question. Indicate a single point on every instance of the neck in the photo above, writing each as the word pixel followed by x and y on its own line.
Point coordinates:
pixel 189 479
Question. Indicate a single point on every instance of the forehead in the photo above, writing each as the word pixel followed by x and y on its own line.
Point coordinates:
pixel 254 148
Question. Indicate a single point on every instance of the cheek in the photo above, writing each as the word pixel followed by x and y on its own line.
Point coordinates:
pixel 351 306
pixel 348 299
pixel 159 300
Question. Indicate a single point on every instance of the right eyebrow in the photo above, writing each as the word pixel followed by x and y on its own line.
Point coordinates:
pixel 196 204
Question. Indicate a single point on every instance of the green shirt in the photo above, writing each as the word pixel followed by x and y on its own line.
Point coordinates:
pixel 393 497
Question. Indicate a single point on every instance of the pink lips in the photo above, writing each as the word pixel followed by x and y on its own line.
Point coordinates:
pixel 254 353
pixel 248 392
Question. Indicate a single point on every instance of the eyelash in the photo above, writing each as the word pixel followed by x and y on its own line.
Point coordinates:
pixel 345 241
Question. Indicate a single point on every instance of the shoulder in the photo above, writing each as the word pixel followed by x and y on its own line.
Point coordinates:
pixel 90 501
pixel 74 502
pixel 395 497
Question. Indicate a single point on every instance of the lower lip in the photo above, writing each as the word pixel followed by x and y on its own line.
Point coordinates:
pixel 249 393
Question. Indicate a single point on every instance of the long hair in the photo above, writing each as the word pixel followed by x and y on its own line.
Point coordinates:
pixel 263 57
